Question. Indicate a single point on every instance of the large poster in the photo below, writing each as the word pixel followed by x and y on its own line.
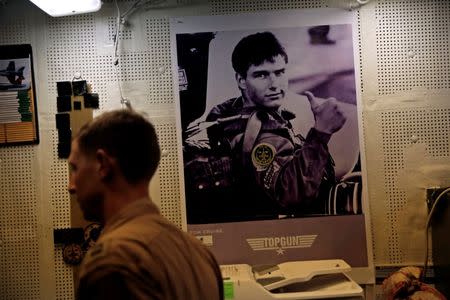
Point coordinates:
pixel 268 122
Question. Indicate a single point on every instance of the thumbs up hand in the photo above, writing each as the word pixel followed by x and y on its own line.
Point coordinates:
pixel 327 114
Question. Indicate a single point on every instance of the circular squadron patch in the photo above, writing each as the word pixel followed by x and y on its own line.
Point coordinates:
pixel 262 156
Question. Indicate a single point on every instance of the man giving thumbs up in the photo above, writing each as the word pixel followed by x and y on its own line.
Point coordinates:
pixel 277 171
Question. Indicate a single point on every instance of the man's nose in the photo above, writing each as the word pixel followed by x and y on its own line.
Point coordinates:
pixel 274 81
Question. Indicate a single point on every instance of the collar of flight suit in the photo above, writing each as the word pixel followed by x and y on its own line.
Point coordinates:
pixel 136 208
pixel 238 105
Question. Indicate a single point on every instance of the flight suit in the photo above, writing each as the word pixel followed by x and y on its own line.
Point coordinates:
pixel 283 173
pixel 141 255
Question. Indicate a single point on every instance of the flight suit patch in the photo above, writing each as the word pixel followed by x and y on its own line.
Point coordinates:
pixel 262 156
pixel 270 174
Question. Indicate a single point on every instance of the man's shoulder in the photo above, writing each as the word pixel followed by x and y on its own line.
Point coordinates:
pixel 102 254
pixel 225 109
pixel 111 247
pixel 115 244
pixel 139 233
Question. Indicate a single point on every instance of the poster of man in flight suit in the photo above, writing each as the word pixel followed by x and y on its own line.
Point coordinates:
pixel 268 117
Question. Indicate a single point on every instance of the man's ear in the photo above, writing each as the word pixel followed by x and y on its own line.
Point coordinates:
pixel 241 81
pixel 105 164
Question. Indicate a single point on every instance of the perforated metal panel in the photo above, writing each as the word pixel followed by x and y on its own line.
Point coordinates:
pixel 169 177
pixel 124 34
pixel 360 54
pixel 412 45
pixel 63 277
pixel 71 48
pixel 232 6
pixel 158 39
pixel 400 127
pixel 17 33
pixel 19 247
pixel 59 180
pixel 400 194
pixel 411 40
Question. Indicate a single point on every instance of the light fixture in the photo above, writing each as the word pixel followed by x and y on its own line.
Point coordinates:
pixel 60 8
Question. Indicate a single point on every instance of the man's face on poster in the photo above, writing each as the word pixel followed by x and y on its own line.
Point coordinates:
pixel 266 84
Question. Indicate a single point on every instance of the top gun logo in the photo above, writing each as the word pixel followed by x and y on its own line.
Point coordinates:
pixel 281 243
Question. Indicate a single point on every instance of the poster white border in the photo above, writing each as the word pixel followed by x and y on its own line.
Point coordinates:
pixel 278 19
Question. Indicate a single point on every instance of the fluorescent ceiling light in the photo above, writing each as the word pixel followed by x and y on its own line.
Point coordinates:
pixel 60 8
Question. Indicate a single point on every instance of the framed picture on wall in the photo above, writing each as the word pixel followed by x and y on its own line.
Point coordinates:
pixel 267 176
pixel 18 112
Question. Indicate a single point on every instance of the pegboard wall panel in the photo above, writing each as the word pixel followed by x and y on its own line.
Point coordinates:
pixel 152 65
pixel 399 129
pixel 72 48
pixel 138 65
pixel 14 32
pixel 62 33
pixel 223 7
pixel 59 178
pixel 371 227
pixel 412 39
pixel 160 87
pixel 63 277
pixel 360 54
pixel 169 175
pixel 124 34
pixel 158 39
pixel 19 247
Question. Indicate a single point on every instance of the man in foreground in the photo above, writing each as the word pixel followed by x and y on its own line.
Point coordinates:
pixel 139 255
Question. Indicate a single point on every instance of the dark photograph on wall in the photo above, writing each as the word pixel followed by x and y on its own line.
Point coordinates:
pixel 18 114
pixel 269 123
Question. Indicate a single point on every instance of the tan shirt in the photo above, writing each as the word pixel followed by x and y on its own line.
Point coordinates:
pixel 141 255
